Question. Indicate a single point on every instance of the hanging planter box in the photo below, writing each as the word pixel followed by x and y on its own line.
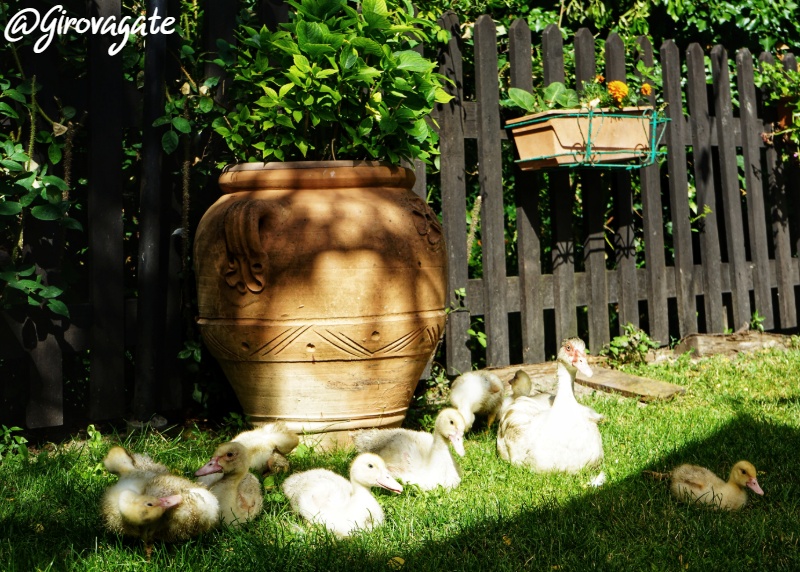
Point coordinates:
pixel 624 138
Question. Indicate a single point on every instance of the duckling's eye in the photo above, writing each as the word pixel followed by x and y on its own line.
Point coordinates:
pixel 743 471
pixel 149 504
pixel 371 466
pixel 451 422
pixel 229 455
pixel 568 347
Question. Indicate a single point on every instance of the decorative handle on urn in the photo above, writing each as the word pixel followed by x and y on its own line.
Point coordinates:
pixel 425 222
pixel 246 264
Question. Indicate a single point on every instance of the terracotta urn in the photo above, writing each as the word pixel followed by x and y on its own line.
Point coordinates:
pixel 321 291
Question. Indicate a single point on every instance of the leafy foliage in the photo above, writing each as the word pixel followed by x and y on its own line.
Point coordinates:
pixel 763 21
pixel 28 191
pixel 783 86
pixel 11 445
pixel 629 348
pixel 592 94
pixel 334 83
pixel 757 322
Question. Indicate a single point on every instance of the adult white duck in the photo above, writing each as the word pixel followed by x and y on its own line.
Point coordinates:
pixel 417 457
pixel 342 506
pixel 563 437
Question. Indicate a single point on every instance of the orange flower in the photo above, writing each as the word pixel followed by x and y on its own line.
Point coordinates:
pixel 646 89
pixel 617 90
pixel 599 78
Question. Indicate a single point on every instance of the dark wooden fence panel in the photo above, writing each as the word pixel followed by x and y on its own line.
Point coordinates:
pixel 625 235
pixel 751 130
pixel 451 121
pixel 107 375
pixel 653 224
pixel 594 203
pixel 713 141
pixel 562 198
pixel 153 219
pixel 703 162
pixel 679 190
pixel 528 219
pixel 779 218
pixel 792 173
pixel 490 175
pixel 731 195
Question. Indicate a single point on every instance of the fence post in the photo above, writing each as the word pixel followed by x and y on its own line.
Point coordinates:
pixel 562 197
pixel 679 190
pixel 107 376
pixel 451 142
pixel 791 171
pixel 653 221
pixel 624 236
pixel 491 181
pixel 700 124
pixel 594 208
pixel 756 215
pixel 779 217
pixel 152 264
pixel 529 225
pixel 731 197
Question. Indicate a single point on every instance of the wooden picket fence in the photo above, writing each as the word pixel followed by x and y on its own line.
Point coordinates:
pixel 740 260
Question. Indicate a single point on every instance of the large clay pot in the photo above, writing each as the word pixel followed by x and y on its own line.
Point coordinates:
pixel 321 291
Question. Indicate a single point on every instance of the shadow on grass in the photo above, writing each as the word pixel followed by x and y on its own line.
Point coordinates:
pixel 631 524
pixel 636 525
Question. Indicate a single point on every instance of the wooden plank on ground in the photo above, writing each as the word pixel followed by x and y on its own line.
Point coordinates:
pixel 642 388
pixel 604 379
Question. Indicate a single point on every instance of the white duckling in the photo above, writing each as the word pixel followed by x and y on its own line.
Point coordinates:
pixel 153 504
pixel 565 436
pixel 417 457
pixel 695 484
pixel 121 462
pixel 238 491
pixel 342 506
pixel 267 447
pixel 477 392
pixel 521 398
pixel 125 510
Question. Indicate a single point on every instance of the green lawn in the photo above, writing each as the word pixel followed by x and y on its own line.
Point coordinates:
pixel 500 518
